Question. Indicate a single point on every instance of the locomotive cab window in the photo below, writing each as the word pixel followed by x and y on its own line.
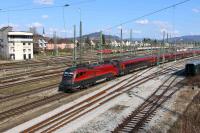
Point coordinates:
pixel 68 75
pixel 80 74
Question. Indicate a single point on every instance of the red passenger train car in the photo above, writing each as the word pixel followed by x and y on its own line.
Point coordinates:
pixel 127 66
pixel 75 78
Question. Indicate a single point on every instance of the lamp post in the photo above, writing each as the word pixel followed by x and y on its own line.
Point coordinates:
pixel 67 5
pixel 80 48
pixel 74 50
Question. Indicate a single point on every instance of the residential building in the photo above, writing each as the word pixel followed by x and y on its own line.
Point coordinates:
pixel 39 43
pixel 15 45
pixel 60 44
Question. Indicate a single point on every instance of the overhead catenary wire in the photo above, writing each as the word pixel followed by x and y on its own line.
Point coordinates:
pixel 148 14
pixel 46 7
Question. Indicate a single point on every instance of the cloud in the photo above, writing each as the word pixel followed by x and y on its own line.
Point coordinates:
pixel 194 33
pixel 127 31
pixel 166 27
pixel 195 10
pixel 162 24
pixel 142 22
pixel 136 31
pixel 53 29
pixel 163 30
pixel 176 32
pixel 119 27
pixel 59 32
pixel 44 2
pixel 45 16
pixel 67 31
pixel 36 25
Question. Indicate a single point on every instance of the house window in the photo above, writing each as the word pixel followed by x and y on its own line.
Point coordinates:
pixel 29 43
pixel 29 56
pixel 24 43
pixel 12 56
pixel 24 56
pixel 24 50
pixel 29 50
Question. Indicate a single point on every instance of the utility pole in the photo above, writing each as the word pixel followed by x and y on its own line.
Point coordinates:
pixel 163 48
pixel 167 46
pixel 80 42
pixel 74 50
pixel 167 37
pixel 175 48
pixel 100 47
pixel 131 41
pixel 159 53
pixel 171 44
pixel 121 32
pixel 55 44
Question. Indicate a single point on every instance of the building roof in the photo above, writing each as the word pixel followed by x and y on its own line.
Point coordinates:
pixel 7 27
pixel 20 33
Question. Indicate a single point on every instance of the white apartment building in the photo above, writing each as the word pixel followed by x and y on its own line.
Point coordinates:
pixel 16 45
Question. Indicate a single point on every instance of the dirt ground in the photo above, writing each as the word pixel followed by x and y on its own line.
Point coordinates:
pixel 189 122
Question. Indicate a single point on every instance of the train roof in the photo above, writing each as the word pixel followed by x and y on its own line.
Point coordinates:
pixel 137 58
pixel 86 66
pixel 194 62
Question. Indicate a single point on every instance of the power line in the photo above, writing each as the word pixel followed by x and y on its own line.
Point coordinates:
pixel 148 14
pixel 29 9
pixel 16 6
pixel 47 7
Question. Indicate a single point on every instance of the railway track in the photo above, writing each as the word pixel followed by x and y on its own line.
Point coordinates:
pixel 16 111
pixel 34 65
pixel 143 114
pixel 5 86
pixel 81 108
pixel 42 63
pixel 27 93
pixel 30 106
pixel 61 119
pixel 37 73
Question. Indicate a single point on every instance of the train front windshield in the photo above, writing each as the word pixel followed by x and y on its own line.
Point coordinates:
pixel 67 76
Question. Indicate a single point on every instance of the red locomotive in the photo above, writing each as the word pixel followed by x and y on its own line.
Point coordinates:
pixel 84 76
pixel 78 77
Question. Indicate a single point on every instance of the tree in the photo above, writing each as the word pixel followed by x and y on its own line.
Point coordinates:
pixel 155 42
pixel 103 39
pixel 88 41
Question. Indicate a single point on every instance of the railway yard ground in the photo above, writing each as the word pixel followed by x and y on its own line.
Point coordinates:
pixel 156 99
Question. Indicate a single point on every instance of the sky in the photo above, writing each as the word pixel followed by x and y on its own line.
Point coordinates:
pixel 98 15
